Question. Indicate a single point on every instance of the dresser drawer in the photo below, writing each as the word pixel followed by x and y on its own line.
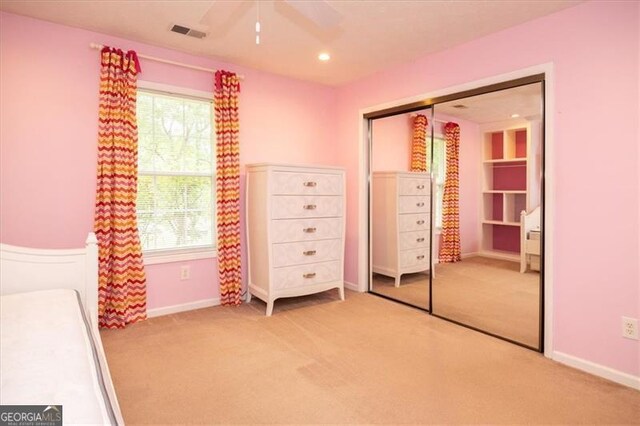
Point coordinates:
pixel 415 239
pixel 413 222
pixel 532 247
pixel 416 257
pixel 290 230
pixel 414 204
pixel 414 186
pixel 304 275
pixel 288 254
pixel 297 206
pixel 291 183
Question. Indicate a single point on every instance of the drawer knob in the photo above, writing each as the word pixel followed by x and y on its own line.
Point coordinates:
pixel 309 230
pixel 309 252
pixel 420 222
pixel 420 204
pixel 420 257
pixel 420 187
pixel 310 207
pixel 310 184
pixel 309 275
pixel 420 240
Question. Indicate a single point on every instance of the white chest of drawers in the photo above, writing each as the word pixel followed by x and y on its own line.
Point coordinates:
pixel 295 230
pixel 400 217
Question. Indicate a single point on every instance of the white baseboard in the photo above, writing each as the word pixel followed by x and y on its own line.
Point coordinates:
pixel 173 309
pixel 351 286
pixel 470 254
pixel 500 256
pixel 597 370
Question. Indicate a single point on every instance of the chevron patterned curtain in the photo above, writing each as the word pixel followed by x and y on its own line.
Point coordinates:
pixel 419 144
pixel 227 88
pixel 122 297
pixel 450 244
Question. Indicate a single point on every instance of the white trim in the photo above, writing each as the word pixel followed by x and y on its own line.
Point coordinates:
pixel 470 254
pixel 598 370
pixel 352 287
pixel 151 258
pixel 363 240
pixel 174 90
pixel 500 255
pixel 174 309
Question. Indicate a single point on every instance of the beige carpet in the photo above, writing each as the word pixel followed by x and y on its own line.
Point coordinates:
pixel 364 360
pixel 414 288
pixel 488 294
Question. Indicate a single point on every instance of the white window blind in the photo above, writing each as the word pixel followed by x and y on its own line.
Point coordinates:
pixel 176 172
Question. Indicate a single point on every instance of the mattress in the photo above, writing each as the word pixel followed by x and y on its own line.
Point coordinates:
pixel 48 356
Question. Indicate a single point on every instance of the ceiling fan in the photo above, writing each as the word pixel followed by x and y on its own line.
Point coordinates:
pixel 221 15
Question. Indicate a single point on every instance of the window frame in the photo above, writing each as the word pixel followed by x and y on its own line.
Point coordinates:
pixel 441 137
pixel 159 256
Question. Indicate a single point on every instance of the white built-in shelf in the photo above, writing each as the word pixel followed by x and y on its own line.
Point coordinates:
pixel 499 222
pixel 505 160
pixel 504 191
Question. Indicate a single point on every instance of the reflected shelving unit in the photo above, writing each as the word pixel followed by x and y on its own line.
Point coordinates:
pixel 506 171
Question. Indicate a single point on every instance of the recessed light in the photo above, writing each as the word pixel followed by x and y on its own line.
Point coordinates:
pixel 515 115
pixel 324 56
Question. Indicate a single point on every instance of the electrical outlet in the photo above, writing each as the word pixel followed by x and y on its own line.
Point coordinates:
pixel 630 328
pixel 185 272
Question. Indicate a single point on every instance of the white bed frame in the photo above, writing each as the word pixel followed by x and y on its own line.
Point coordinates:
pixel 528 222
pixel 25 269
pixel 48 269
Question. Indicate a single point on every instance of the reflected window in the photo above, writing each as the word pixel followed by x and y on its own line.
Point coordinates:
pixel 439 173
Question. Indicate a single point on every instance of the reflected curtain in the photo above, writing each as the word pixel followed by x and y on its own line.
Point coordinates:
pixel 450 243
pixel 419 144
pixel 227 88
pixel 122 293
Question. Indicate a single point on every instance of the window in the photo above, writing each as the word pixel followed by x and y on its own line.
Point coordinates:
pixel 439 171
pixel 176 173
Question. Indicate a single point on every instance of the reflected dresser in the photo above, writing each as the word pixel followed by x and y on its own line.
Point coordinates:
pixel 400 206
pixel 295 219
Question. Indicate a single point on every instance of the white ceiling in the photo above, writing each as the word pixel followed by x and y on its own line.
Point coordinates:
pixel 366 37
pixel 526 101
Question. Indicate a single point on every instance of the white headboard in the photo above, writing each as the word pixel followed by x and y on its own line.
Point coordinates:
pixel 29 269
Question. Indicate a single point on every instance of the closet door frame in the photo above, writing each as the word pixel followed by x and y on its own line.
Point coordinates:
pixel 541 74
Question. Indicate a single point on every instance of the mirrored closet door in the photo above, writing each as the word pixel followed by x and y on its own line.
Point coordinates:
pixel 489 272
pixel 457 208
pixel 400 207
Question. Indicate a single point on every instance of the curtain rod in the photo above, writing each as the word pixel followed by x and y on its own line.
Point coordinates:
pixel 165 61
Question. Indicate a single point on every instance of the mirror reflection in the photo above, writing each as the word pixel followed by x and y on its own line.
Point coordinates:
pixel 401 254
pixel 488 274
pixel 464 205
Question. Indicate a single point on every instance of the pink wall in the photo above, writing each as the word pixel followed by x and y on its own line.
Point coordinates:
pixel 391 145
pixel 49 107
pixel 594 50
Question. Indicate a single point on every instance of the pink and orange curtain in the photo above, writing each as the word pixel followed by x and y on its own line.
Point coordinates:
pixel 450 241
pixel 227 88
pixel 122 294
pixel 419 144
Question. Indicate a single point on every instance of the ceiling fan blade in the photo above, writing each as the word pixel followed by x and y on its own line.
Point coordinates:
pixel 319 12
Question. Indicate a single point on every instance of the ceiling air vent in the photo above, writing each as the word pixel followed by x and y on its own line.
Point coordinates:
pixel 460 106
pixel 180 29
